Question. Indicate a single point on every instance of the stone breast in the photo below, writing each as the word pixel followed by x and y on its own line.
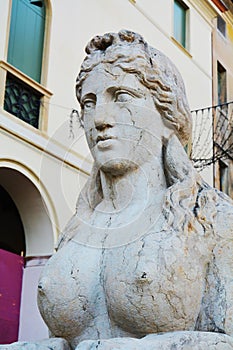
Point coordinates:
pixel 68 290
pixel 156 284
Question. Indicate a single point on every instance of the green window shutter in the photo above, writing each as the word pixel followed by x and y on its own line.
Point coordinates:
pixel 180 22
pixel 26 40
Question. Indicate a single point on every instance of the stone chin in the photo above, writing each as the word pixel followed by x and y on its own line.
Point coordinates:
pixel 118 167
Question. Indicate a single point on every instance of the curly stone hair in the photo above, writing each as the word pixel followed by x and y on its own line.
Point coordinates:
pixel 130 52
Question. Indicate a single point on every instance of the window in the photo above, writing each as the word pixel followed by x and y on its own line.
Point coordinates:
pixel 222 84
pixel 23 93
pixel 221 25
pixel 223 177
pixel 180 22
pixel 25 48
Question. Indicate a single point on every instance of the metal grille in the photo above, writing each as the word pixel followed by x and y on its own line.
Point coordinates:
pixel 212 135
pixel 22 101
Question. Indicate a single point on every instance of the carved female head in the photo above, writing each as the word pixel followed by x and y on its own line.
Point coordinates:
pixel 130 52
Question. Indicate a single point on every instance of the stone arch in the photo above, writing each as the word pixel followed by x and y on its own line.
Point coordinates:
pixel 34 206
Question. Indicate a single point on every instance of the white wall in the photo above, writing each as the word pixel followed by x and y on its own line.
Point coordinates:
pixel 31 325
pixel 4 19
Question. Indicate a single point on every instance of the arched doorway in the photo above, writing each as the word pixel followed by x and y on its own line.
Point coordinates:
pixel 12 237
pixel 33 211
pixel 26 242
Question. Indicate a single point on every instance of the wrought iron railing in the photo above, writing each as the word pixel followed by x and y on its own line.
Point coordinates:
pixel 22 100
pixel 212 138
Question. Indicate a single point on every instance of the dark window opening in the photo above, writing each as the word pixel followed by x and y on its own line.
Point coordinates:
pixel 12 236
pixel 223 177
pixel 221 25
pixel 222 84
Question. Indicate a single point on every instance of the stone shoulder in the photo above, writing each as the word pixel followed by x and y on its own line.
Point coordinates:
pixel 224 216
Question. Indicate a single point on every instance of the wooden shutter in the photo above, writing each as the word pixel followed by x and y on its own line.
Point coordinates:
pixel 26 40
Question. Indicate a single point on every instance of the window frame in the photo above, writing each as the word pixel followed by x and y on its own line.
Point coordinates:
pixel 183 42
pixel 41 88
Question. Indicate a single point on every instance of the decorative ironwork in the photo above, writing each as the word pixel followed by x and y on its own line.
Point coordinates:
pixel 22 101
pixel 212 135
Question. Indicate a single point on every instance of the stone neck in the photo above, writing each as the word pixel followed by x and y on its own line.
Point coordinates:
pixel 141 184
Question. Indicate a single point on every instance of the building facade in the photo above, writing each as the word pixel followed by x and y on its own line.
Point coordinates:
pixel 44 159
pixel 223 96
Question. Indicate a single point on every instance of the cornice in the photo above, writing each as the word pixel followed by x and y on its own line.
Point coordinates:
pixel 205 9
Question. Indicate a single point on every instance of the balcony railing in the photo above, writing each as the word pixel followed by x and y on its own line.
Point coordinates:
pixel 22 101
pixel 212 138
pixel 22 97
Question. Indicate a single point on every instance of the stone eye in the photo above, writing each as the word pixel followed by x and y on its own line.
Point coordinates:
pixel 123 96
pixel 88 104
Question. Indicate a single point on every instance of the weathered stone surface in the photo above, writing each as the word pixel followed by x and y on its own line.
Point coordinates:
pixel 149 249
pixel 46 344
pixel 168 341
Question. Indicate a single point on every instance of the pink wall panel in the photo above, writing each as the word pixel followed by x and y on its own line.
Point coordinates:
pixel 11 273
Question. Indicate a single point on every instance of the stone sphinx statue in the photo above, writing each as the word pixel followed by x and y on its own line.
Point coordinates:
pixel 146 260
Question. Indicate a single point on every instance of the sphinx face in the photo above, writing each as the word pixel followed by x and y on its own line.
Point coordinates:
pixel 122 125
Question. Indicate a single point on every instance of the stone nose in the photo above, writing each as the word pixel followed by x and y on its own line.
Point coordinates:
pixel 104 116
